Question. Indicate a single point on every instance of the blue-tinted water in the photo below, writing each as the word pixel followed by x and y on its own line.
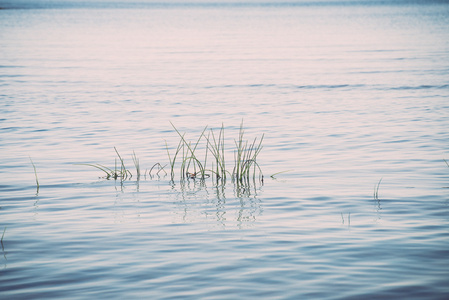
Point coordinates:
pixel 347 94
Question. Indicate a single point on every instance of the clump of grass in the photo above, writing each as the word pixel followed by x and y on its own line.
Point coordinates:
pixel 245 158
pixel 186 159
pixel 35 175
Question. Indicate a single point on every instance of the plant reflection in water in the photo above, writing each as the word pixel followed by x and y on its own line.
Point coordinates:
pixel 223 205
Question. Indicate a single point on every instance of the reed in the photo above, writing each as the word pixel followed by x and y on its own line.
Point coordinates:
pixel 376 190
pixel 173 161
pixel 35 175
pixel 274 175
pixel 136 164
pixel 190 158
pixel 186 159
pixel 109 173
pixel 245 158
pixel 217 149
pixel 123 171
pixel 117 173
pixel 3 235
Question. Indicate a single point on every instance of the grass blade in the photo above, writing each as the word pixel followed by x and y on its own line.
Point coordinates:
pixel 35 174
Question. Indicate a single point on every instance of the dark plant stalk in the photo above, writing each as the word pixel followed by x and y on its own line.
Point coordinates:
pixel 3 235
pixel 172 162
pixel 136 164
pixel 35 174
pixel 159 167
pixel 273 176
pixel 191 158
pixel 216 147
pixel 376 190
pixel 123 171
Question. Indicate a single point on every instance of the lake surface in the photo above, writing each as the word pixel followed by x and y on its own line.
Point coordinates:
pixel 352 98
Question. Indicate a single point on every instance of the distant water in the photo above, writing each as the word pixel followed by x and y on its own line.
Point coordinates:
pixel 353 100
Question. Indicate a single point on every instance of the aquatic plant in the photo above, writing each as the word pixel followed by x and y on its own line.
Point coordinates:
pixel 173 161
pixel 159 169
pixel 3 235
pixel 343 219
pixel 376 190
pixel 277 173
pixel 186 160
pixel 123 171
pixel 136 164
pixel 115 173
pixel 35 175
pixel 190 159
pixel 216 147
pixel 245 158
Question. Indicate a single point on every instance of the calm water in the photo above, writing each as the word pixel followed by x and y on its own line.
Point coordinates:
pixel 346 93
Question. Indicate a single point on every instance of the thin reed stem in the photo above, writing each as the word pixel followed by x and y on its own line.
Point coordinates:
pixel 3 235
pixel 376 190
pixel 136 164
pixel 35 175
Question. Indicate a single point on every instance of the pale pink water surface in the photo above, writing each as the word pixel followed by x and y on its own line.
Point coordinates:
pixel 346 93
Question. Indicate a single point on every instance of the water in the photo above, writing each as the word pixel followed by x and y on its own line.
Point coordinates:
pixel 346 93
